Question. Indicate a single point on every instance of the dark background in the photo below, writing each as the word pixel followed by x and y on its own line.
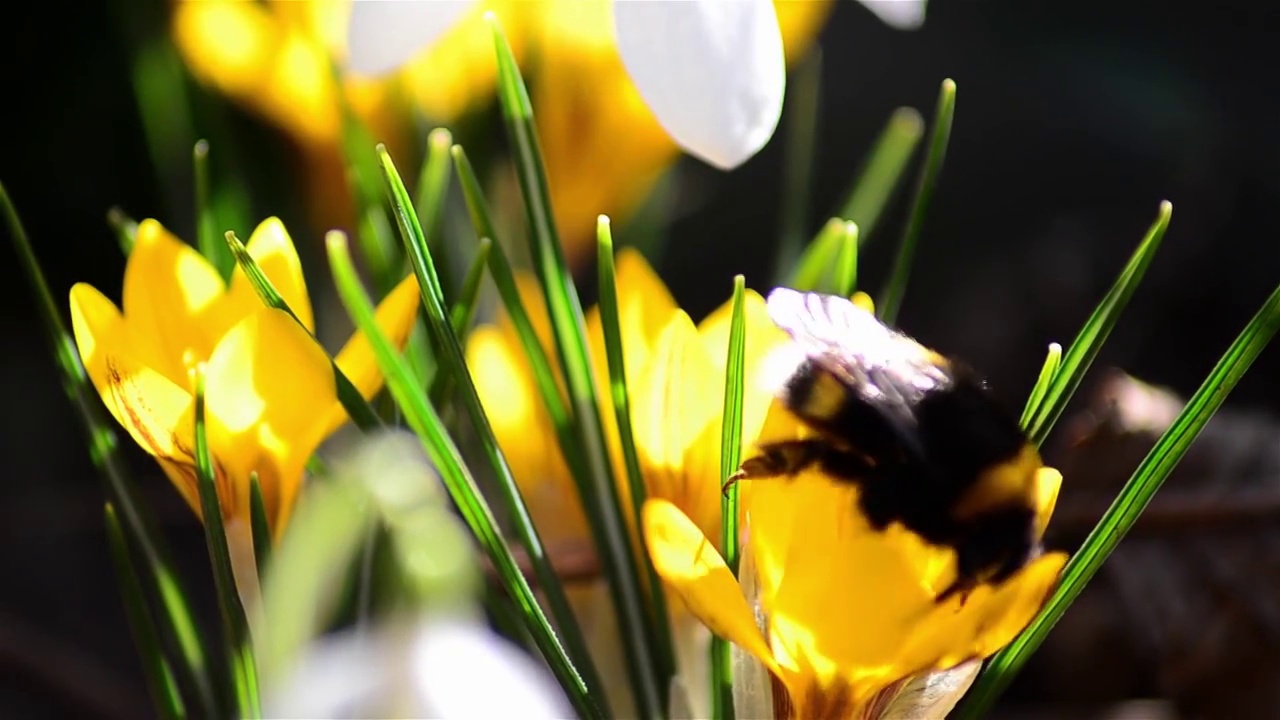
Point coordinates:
pixel 1074 120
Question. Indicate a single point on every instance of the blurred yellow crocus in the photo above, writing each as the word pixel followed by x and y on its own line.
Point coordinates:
pixel 270 391
pixel 603 146
pixel 849 614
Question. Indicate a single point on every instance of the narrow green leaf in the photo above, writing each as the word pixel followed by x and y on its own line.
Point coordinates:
pixel 504 279
pixel 125 229
pixel 374 235
pixel 261 528
pixel 803 96
pixel 230 609
pixel 1085 347
pixel 461 315
pixel 424 421
pixel 891 298
pixel 206 223
pixel 599 488
pixel 1128 506
pixel 1051 363
pixel 361 413
pixel 182 644
pixel 160 680
pixel 453 362
pixel 730 458
pixel 433 181
pixel 612 328
pixel 845 273
pixel 883 170
pixel 829 264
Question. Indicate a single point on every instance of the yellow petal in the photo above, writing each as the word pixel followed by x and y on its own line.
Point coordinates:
pixel 800 21
pixel 172 302
pixel 268 387
pixel 688 563
pixel 524 432
pixel 1048 483
pixel 674 401
pixel 153 409
pixel 864 301
pixel 989 619
pixel 645 306
pixel 273 250
pixel 457 71
pixel 840 597
pixel 395 316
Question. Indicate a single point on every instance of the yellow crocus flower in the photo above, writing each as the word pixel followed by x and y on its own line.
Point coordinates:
pixel 270 392
pixel 602 145
pixel 849 613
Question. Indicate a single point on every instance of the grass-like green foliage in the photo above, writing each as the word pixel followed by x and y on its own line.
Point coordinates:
pixel 803 98
pixel 890 300
pixel 599 491
pixel 425 422
pixel 1050 368
pixel 830 263
pixel 235 626
pixel 1088 342
pixel 884 170
pixel 168 608
pixel 260 526
pixel 612 330
pixel 1129 504
pixel 730 457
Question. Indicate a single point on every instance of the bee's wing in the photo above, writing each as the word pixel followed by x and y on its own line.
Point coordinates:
pixel 884 369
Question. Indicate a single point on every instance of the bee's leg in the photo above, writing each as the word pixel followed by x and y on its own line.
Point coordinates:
pixel 784 458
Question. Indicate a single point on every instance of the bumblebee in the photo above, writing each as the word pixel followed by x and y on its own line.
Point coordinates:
pixel 921 436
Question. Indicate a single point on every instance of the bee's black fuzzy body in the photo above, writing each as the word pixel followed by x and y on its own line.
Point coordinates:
pixel 919 434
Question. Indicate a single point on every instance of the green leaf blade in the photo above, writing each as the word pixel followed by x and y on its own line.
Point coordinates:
pixel 890 301
pixel 1088 342
pixel 424 421
pixel 1129 504
pixel 599 489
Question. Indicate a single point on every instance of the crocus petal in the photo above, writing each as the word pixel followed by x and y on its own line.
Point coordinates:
pixel 674 403
pixel 687 562
pixel 272 249
pixel 268 386
pixel 898 14
pixel 712 72
pixel 931 696
pixel 1048 483
pixel 172 299
pixel 395 316
pixel 382 36
pixel 800 21
pixel 151 407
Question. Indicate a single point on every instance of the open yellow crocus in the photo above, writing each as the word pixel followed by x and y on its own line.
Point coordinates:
pixel 269 387
pixel 849 613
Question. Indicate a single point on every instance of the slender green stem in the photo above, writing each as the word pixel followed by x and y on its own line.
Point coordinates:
pixel 891 299
pixel 234 624
pixel 261 527
pixel 612 330
pixel 803 97
pixel 600 493
pixel 1051 363
pixel 461 315
pixel 1128 506
pixel 730 457
pixel 884 169
pixel 424 421
pixel 160 680
pixel 845 272
pixel 125 229
pixel 206 224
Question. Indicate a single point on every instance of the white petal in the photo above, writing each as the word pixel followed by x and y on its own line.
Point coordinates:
pixel 712 71
pixel 898 14
pixel 462 670
pixel 382 36
pixel 932 696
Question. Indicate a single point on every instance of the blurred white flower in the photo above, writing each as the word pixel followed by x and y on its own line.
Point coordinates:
pixel 443 667
pixel 712 71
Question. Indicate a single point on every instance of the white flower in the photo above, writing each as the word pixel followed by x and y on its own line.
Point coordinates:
pixel 712 71
pixel 448 668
